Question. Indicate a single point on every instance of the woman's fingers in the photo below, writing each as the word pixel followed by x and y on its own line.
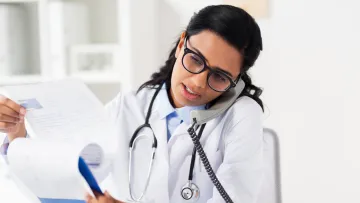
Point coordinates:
pixel 11 114
pixel 8 123
pixel 5 110
pixel 88 198
pixel 106 198
pixel 110 198
pixel 97 194
pixel 5 126
pixel 9 119
pixel 4 101
pixel 107 194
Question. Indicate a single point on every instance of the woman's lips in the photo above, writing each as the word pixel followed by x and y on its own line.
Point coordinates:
pixel 188 95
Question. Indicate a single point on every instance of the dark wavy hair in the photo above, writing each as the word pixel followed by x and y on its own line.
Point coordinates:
pixel 236 27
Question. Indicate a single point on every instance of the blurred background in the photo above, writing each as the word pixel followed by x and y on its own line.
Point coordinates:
pixel 309 70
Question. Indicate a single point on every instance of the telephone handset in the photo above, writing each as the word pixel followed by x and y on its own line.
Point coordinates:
pixel 222 104
pixel 191 191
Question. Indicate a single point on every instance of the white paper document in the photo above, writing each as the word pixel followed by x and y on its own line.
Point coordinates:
pixel 12 190
pixel 66 122
pixel 51 172
pixel 64 110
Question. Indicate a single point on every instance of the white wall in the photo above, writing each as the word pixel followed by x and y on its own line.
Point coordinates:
pixel 139 40
pixel 309 70
pixel 19 52
pixel 102 21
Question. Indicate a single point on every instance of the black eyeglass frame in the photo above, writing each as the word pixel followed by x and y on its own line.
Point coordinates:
pixel 206 67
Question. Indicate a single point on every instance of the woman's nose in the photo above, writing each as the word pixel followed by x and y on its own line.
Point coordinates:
pixel 200 80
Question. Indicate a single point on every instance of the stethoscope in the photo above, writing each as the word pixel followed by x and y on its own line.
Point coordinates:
pixel 190 191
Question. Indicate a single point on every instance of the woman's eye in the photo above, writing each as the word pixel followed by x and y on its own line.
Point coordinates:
pixel 219 78
pixel 196 60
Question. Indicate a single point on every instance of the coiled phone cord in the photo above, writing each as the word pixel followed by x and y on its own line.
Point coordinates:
pixel 205 161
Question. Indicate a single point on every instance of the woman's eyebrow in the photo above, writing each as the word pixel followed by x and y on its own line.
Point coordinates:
pixel 222 70
pixel 215 67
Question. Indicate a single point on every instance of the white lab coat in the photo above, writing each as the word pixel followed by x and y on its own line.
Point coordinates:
pixel 232 142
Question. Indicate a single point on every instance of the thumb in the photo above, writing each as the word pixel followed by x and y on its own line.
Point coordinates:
pixel 107 194
pixel 96 194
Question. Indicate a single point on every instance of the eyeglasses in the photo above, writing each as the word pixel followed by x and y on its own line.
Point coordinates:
pixel 217 79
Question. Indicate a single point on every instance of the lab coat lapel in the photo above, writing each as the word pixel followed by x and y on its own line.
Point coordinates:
pixel 159 176
pixel 159 127
pixel 160 130
pixel 179 146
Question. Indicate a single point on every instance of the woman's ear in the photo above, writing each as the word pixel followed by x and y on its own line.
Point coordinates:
pixel 180 44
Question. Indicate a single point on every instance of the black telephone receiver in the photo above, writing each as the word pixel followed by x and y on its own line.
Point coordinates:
pixel 224 102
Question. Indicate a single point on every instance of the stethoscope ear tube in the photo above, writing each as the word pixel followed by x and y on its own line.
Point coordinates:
pixel 135 135
pixel 132 146
pixel 148 175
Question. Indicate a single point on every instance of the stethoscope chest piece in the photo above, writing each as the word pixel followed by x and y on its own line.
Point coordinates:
pixel 190 192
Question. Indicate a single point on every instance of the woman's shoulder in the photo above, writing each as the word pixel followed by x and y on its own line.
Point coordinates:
pixel 244 108
pixel 144 93
pixel 243 119
pixel 246 104
pixel 129 99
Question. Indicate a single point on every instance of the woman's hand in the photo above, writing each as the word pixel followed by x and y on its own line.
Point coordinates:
pixel 12 118
pixel 106 198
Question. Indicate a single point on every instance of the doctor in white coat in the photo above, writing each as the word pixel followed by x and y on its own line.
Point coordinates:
pixel 212 55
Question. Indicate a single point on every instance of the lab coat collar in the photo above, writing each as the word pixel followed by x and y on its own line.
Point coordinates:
pixel 164 106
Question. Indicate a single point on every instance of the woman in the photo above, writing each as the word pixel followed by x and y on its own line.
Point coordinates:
pixel 216 50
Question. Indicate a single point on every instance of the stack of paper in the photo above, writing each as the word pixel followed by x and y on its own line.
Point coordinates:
pixel 72 139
